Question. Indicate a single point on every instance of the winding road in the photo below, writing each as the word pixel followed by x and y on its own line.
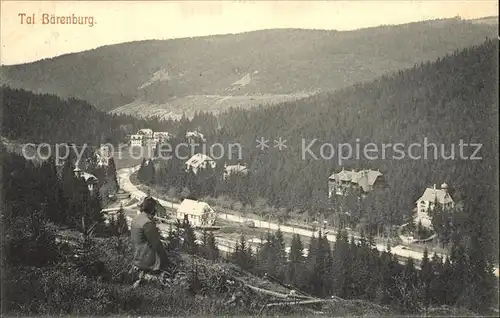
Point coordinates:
pixel 123 176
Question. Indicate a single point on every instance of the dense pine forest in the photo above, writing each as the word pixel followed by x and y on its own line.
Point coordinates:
pixel 47 118
pixel 447 100
pixel 46 275
pixel 357 270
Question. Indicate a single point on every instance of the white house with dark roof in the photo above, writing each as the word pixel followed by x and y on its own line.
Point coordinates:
pixel 199 161
pixel 427 202
pixel 365 180
pixel 143 137
pixel 198 213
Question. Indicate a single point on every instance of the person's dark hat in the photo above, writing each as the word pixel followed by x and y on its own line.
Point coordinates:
pixel 148 205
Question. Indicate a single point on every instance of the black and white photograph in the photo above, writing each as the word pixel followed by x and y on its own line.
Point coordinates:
pixel 249 158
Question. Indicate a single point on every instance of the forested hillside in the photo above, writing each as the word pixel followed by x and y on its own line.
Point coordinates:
pixel 213 73
pixel 47 118
pixel 60 257
pixel 444 101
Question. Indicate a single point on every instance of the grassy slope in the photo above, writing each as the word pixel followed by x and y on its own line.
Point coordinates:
pixel 60 290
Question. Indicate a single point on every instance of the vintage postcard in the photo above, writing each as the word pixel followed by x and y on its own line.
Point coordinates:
pixel 246 158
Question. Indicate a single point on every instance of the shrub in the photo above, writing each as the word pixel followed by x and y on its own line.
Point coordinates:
pixel 29 240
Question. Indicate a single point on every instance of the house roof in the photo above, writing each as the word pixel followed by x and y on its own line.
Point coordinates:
pixel 236 168
pixel 364 178
pixel 89 177
pixel 193 207
pixel 145 131
pixel 191 134
pixel 197 160
pixel 439 195
pixel 136 137
pixel 161 133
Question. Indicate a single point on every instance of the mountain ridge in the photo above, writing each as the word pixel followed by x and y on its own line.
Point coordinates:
pixel 272 66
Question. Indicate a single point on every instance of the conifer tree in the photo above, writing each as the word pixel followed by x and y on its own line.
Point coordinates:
pixel 361 272
pixel 121 222
pixel 340 268
pixel 324 266
pixel 243 254
pixel 204 243
pixel 406 284
pixel 112 172
pixel 141 173
pixel 211 249
pixel 480 292
pixel 296 262
pixel 173 238
pixel 189 243
pixel 311 261
pixel 267 257
pixel 426 279
pixel 190 183
pixel 389 270
pixel 437 285
pixel 278 246
pixel 53 191
pixel 152 178
pixel 459 264
pixel 208 246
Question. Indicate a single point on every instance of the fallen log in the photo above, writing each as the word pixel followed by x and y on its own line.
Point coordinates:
pixel 290 287
pixel 301 302
pixel 273 293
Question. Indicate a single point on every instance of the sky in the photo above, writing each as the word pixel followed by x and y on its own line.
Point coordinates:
pixel 125 21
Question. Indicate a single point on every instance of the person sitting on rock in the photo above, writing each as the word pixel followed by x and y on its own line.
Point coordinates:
pixel 149 254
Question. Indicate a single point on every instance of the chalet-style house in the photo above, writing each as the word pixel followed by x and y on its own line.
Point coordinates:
pixel 198 213
pixel 89 179
pixel 233 169
pixel 199 161
pixel 364 181
pixel 428 201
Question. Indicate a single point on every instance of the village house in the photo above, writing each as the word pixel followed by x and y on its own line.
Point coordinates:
pixel 198 213
pixel 146 137
pixel 364 180
pixel 228 170
pixel 160 137
pixel 194 137
pixel 136 140
pixel 428 201
pixel 199 161
pixel 149 141
pixel 89 179
pixel 148 133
